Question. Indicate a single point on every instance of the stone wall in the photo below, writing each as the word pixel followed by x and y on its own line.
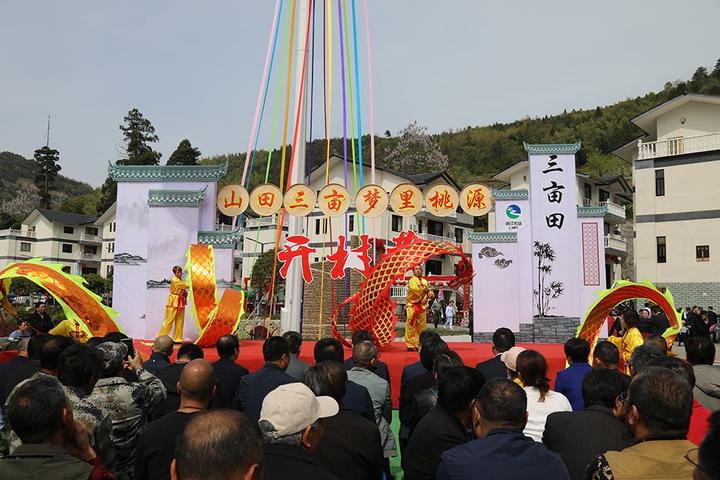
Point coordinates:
pixel 627 232
pixel 542 330
pixel 689 294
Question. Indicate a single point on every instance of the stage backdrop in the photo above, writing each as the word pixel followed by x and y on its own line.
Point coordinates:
pixel 553 196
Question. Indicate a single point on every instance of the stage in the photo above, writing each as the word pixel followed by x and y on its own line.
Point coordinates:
pixel 395 356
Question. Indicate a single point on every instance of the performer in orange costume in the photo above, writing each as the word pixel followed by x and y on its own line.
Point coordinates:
pixel 418 293
pixel 175 307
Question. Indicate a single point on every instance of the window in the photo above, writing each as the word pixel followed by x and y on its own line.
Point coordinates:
pixel 89 270
pixel 351 223
pixel 397 223
pixel 66 269
pixel 111 247
pixel 25 246
pixel 325 225
pixel 660 183
pixel 91 230
pixel 109 270
pixel 435 228
pixel 67 248
pixel 603 195
pixel 69 230
pixel 419 226
pixel 433 267
pixel 317 226
pixel 90 249
pixel 112 227
pixel 459 235
pixel 661 250
pixel 702 253
pixel 588 191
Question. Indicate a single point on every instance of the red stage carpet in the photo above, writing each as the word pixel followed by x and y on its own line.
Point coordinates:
pixel 395 356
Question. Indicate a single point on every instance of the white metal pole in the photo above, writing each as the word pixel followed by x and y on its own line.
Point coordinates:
pixel 290 313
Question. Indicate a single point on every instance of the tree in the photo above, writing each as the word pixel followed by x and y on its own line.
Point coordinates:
pixel 46 171
pixel 138 133
pixel 716 71
pixel 600 164
pixel 416 152
pixel 184 154
pixel 96 284
pixel 108 195
pixel 261 275
pixel 25 200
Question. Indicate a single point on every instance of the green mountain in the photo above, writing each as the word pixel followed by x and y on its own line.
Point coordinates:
pixel 480 152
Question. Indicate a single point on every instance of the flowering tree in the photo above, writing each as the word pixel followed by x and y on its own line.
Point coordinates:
pixel 416 152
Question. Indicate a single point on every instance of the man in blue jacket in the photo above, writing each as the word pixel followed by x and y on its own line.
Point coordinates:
pixel 501 450
pixel 569 381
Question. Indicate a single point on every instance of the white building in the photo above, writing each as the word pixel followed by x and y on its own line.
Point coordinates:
pixel 259 233
pixel 77 242
pixel 612 192
pixel 676 172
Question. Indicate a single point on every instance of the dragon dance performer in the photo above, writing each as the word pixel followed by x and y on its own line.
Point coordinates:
pixel 175 307
pixel 418 293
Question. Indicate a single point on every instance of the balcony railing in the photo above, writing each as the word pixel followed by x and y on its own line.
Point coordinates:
pixel 87 238
pixel 398 291
pixel 436 238
pixel 615 242
pixel 614 208
pixel 678 146
pixel 13 232
pixel 90 257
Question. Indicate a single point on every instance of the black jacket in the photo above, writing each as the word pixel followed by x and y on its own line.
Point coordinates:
pixel 254 387
pixel 579 437
pixel 351 456
pixel 438 431
pixel 169 376
pixel 660 323
pixel 156 447
pixel 281 462
pixel 228 374
pixel 6 370
pixel 493 368
pixel 357 398
pixel 408 413
pixel 40 323
pixel 156 362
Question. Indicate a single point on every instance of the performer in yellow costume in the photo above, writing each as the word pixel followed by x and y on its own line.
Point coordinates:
pixel 631 339
pixel 418 293
pixel 175 307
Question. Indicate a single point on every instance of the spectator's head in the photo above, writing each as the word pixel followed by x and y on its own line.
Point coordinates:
pixel 290 415
pixel 329 349
pixel 79 366
pixel 23 326
pixel 457 389
pixel 657 341
pixel 509 358
pixel 276 350
pixel 218 445
pixel 164 345
pixel 501 403
pixel 532 368
pixel 577 350
pixel 189 351
pixel 228 346
pixel 294 340
pixel 644 313
pixel 35 345
pixel 113 355
pixel 630 319
pixel 700 351
pixel 364 355
pixel 445 361
pixel 51 350
pixel 601 387
pixel 430 350
pixel 38 412
pixel 197 384
pixel 503 340
pixel 706 458
pixel 116 337
pixel 606 355
pixel 641 355
pixel 40 307
pixel 327 378
pixel 681 367
pixel 711 309
pixel 95 341
pixel 361 336
pixel 427 336
pixel 659 404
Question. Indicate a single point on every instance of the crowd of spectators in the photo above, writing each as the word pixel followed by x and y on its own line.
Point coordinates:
pixel 99 410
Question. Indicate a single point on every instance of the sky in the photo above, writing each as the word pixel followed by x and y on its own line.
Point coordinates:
pixel 194 67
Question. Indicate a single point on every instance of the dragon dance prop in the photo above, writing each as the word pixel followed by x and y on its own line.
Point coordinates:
pixel 213 319
pixel 623 290
pixel 372 308
pixel 70 291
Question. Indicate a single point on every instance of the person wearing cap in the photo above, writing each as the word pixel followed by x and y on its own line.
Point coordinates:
pixel 129 403
pixel 289 422
pixel 509 358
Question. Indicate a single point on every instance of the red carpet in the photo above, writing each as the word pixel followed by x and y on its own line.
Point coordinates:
pixel 395 356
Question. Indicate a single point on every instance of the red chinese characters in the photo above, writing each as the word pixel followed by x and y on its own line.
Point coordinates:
pixel 357 258
pixel 296 247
